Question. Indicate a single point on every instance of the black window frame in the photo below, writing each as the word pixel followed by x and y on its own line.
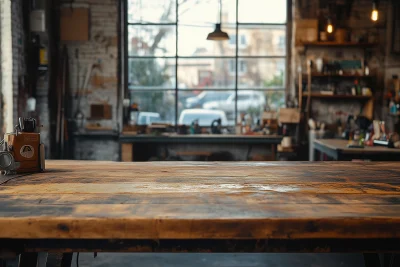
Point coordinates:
pixel 286 57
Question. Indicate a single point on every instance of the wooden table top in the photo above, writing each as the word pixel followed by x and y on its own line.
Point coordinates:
pixel 187 200
pixel 341 145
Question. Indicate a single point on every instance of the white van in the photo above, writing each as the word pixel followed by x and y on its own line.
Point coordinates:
pixel 205 117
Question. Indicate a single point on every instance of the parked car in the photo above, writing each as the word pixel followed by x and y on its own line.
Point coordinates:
pixel 205 117
pixel 147 118
pixel 246 100
pixel 206 96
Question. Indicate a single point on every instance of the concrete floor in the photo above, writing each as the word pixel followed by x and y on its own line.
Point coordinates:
pixel 220 260
pixel 209 260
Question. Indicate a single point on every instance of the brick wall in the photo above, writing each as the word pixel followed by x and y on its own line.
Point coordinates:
pixel 6 66
pixel 1 93
pixel 18 51
pixel 102 50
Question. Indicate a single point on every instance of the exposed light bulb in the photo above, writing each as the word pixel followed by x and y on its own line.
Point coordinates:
pixel 329 28
pixel 374 14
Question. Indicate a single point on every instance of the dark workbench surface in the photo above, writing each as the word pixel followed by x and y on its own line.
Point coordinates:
pixel 186 200
pixel 202 138
pixel 338 150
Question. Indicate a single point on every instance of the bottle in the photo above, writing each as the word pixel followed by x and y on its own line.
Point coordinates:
pixel 357 87
pixel 392 107
pixel 366 68
pixel 243 126
pixel 366 71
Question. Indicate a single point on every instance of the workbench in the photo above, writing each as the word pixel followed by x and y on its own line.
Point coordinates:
pixel 201 143
pixel 83 206
pixel 337 149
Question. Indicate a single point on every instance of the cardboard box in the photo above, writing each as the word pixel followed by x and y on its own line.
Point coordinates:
pixel 306 31
pixel 101 111
pixel 74 24
pixel 289 115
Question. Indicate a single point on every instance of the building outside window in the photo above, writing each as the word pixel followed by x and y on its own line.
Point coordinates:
pixel 172 67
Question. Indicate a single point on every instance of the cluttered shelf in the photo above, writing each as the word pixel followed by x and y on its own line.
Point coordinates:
pixel 338 44
pixel 316 74
pixel 319 95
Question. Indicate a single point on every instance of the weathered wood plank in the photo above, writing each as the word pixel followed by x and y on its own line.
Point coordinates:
pixel 200 198
pixel 175 200
pixel 222 187
pixel 193 228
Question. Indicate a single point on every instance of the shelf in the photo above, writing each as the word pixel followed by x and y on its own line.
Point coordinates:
pixel 318 95
pixel 338 75
pixel 334 44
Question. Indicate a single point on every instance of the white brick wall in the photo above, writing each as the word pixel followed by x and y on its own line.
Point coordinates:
pixel 6 66
pixel 18 51
pixel 103 26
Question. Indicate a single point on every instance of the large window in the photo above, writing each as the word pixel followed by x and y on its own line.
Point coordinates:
pixel 172 67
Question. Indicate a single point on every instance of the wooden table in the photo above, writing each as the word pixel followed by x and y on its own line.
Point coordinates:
pixel 201 207
pixel 337 149
pixel 128 141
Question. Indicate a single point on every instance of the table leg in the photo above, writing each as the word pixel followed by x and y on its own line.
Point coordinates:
pixel 372 260
pixel 274 152
pixel 126 152
pixel 28 259
pixel 321 156
pixel 59 260
pixel 391 260
pixel 315 156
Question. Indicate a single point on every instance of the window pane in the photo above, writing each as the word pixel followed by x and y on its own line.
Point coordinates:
pixel 151 73
pixel 262 40
pixel 206 106
pixel 215 73
pixel 275 99
pixel 151 11
pixel 151 40
pixel 192 41
pixel 262 11
pixel 154 106
pixel 253 102
pixel 262 73
pixel 206 12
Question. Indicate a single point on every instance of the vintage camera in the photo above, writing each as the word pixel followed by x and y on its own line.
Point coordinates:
pixel 21 151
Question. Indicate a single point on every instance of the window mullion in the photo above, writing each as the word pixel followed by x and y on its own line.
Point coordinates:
pixel 237 63
pixel 176 63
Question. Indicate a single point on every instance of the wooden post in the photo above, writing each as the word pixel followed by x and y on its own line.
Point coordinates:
pixel 127 152
pixel 273 151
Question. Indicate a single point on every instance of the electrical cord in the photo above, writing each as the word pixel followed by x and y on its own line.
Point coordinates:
pixel 77 259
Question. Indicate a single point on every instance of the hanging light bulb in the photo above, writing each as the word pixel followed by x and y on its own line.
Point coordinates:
pixel 329 27
pixel 218 34
pixel 374 14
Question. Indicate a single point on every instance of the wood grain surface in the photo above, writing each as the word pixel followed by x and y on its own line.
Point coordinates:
pixel 187 200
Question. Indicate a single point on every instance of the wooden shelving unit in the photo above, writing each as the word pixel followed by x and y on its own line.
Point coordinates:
pixel 335 44
pixel 355 97
pixel 338 75
pixel 367 101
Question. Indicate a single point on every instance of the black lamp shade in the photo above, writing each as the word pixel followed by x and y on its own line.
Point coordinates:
pixel 217 34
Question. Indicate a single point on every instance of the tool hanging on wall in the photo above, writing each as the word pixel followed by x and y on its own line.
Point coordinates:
pixel 63 113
